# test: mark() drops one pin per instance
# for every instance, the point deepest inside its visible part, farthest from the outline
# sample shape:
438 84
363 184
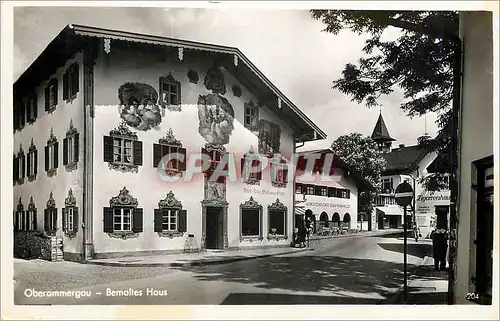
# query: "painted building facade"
410 164
475 234
327 195
126 102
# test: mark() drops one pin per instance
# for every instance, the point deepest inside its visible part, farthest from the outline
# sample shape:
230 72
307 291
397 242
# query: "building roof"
75 38
340 163
380 132
403 159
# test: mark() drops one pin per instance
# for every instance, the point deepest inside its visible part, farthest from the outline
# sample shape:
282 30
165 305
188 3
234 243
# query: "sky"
288 46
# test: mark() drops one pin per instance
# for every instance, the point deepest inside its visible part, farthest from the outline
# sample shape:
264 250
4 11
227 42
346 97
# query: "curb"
359 234
394 297
195 262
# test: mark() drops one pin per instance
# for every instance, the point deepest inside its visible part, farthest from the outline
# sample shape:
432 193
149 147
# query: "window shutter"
47 158
108 219
182 221
16 221
34 220
55 82
243 173
56 154
65 151
64 219
285 174
35 162
330 191
65 85
137 220
15 166
35 107
47 98
28 168
182 164
75 83
23 164
259 174
158 220
108 149
157 155
46 222
54 219
23 115
75 219
137 152
76 149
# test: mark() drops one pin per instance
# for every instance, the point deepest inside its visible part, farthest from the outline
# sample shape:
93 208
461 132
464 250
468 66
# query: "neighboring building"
474 274
327 198
98 110
408 163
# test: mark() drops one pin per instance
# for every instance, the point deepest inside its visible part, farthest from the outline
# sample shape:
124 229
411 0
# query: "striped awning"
300 211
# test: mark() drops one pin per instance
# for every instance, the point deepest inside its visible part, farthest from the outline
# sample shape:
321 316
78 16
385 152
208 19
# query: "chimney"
401 145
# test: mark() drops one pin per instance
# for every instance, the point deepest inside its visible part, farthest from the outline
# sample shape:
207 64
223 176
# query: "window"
51 154
277 213
324 191
269 138
169 218
19 115
21 221
71 147
170 91
51 95
50 221
19 165
250 220
251 169
387 185
331 191
279 172
122 150
216 156
123 218
310 190
31 224
251 116
70 215
32 157
31 108
298 188
71 82
169 145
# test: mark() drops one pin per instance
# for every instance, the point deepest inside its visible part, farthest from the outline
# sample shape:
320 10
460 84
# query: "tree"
420 62
362 154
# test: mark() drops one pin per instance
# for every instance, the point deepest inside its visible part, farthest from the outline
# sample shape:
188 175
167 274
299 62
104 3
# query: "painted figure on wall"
139 105
216 116
269 138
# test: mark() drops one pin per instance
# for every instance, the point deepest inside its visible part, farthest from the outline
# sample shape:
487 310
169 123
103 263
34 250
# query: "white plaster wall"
121 67
319 204
476 140
60 184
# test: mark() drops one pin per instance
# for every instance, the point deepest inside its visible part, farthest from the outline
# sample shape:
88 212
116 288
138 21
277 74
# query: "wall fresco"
139 105
216 116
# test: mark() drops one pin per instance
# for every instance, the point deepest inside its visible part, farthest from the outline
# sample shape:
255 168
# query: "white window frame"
52 212
165 90
121 152
122 214
20 167
250 112
324 191
70 219
310 190
52 155
31 219
279 168
71 148
169 150
21 217
169 217
31 163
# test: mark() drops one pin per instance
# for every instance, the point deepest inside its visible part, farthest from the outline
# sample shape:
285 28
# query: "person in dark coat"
302 236
439 247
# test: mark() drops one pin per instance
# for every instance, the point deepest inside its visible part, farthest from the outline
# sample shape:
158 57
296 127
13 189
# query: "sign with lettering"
326 205
262 191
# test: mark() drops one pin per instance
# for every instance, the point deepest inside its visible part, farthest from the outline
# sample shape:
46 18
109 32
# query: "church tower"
381 135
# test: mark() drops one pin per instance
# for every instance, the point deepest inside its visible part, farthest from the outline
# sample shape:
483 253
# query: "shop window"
51 95
251 169
71 82
277 213
71 149
122 149
250 220
50 216
251 117
19 166
51 155
31 108
70 215
170 91
170 220
32 158
123 219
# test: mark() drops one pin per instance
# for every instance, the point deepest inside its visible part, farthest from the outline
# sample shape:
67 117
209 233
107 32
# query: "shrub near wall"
32 245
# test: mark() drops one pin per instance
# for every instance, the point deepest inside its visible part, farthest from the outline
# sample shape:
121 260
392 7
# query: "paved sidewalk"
359 233
425 286
193 259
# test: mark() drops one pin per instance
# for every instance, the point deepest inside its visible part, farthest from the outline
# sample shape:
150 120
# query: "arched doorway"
336 219
324 219
346 221
380 219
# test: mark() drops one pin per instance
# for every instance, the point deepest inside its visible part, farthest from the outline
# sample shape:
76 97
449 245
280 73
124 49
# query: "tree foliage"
420 62
363 155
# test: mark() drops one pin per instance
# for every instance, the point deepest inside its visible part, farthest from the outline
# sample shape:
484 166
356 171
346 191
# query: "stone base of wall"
73 257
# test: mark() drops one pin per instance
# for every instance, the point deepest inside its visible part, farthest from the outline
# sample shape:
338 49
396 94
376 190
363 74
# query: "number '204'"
472 296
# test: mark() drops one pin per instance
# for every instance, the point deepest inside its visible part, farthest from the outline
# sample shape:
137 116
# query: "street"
344 270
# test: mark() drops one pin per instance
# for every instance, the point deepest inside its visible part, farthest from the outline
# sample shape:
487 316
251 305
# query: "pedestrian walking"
302 236
439 247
